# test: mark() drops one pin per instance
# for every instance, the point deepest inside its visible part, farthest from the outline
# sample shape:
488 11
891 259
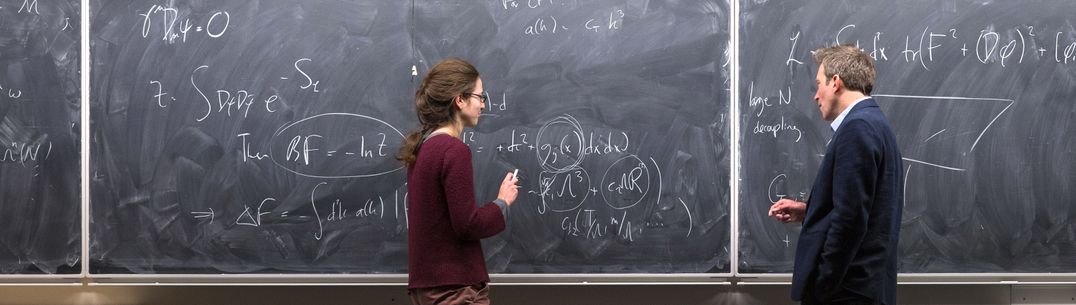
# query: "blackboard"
258 136
39 134
980 96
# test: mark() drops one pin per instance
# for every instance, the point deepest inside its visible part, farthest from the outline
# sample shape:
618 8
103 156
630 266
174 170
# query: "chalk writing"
611 20
1003 47
586 224
23 152
309 154
247 218
778 127
247 153
564 191
560 150
517 143
225 101
160 94
172 27
210 214
543 25
626 182
784 97
29 6
310 83
10 93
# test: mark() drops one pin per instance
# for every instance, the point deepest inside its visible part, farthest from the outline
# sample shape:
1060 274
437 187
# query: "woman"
445 261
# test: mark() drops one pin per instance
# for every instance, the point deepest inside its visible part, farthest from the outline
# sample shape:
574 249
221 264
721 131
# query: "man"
847 250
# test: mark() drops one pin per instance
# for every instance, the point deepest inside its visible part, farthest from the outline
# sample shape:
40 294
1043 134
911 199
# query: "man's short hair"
855 67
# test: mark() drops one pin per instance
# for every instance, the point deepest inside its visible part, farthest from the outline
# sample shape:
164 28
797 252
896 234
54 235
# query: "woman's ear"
459 102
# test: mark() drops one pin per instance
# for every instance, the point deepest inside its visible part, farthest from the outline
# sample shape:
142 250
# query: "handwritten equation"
582 204
267 211
24 152
215 99
588 202
368 148
988 45
168 23
549 22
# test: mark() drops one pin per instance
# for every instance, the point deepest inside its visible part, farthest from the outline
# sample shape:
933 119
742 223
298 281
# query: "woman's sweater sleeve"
469 221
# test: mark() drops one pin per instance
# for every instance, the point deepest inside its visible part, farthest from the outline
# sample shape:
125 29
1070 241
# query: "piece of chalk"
516 172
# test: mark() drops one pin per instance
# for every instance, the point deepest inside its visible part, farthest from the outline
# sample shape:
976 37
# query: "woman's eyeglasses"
481 97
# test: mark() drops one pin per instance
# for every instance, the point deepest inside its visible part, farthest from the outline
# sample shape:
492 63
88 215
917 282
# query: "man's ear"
837 81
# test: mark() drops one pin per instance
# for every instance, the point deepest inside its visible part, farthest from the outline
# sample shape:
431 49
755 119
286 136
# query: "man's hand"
788 210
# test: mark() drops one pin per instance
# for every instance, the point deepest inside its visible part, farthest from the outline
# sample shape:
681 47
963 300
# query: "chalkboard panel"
39 132
980 96
617 119
258 136
249 136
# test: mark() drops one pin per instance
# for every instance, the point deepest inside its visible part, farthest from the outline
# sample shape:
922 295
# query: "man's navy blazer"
848 243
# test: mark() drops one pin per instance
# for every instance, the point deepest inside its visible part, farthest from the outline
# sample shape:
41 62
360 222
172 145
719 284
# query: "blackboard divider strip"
84 130
734 134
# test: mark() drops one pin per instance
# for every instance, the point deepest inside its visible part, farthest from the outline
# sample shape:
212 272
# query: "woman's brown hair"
434 98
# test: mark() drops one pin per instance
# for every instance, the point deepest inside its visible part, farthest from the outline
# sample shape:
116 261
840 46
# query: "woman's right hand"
509 189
